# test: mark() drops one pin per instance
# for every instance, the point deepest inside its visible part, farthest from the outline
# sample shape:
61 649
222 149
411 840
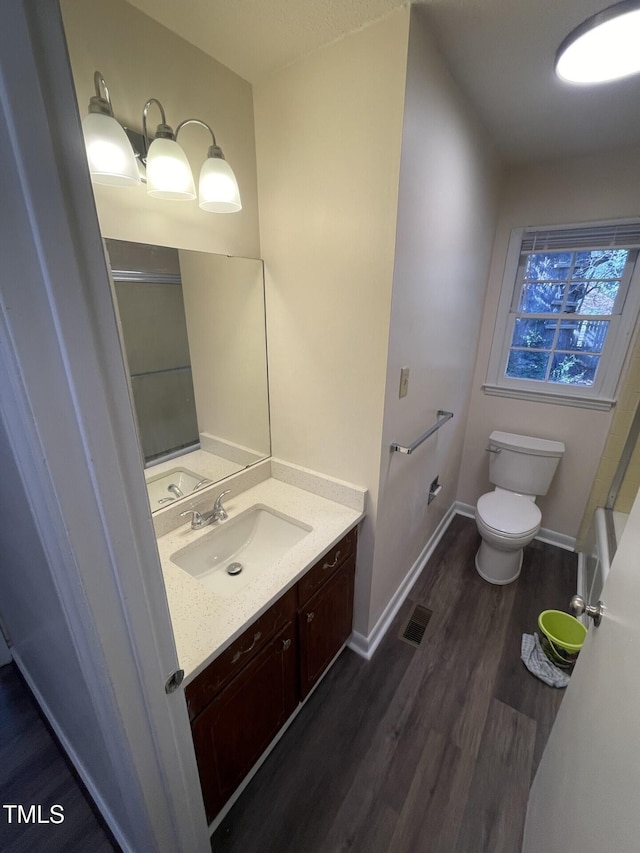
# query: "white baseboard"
560 540
465 509
84 774
366 646
551 537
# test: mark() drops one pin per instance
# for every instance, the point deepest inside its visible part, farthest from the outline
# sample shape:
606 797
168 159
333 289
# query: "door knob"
579 606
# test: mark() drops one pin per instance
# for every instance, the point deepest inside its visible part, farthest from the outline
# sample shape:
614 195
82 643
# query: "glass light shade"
218 189
109 152
605 47
168 171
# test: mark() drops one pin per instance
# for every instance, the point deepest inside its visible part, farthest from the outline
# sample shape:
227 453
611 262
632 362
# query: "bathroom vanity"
251 657
240 701
260 602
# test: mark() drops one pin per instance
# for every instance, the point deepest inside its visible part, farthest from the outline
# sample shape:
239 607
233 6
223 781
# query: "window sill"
601 404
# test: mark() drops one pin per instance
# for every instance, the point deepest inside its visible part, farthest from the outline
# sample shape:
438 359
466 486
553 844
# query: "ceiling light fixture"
604 47
118 158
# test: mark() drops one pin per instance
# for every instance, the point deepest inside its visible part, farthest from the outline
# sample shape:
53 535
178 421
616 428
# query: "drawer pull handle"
310 616
334 564
238 655
285 645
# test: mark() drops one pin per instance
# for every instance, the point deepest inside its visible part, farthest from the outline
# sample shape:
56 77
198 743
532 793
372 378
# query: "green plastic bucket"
563 636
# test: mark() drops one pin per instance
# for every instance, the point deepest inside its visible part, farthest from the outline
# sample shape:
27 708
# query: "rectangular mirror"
194 337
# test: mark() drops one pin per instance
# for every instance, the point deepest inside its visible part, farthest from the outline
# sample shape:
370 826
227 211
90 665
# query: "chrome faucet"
218 513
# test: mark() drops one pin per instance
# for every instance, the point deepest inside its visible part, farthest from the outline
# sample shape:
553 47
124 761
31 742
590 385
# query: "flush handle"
493 449
579 606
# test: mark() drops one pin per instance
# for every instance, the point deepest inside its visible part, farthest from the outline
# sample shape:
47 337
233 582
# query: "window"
563 330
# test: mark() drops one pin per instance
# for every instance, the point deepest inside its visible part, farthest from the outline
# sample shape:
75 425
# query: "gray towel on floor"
539 664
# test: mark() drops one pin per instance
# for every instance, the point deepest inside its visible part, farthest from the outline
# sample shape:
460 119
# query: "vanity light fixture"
111 158
604 47
114 157
168 170
217 188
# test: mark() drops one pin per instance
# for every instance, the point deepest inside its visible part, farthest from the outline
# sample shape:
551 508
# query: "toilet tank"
522 463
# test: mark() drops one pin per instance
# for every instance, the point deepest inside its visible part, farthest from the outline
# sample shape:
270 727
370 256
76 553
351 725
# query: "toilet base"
498 567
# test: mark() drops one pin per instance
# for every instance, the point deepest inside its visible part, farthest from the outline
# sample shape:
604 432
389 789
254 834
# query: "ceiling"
500 52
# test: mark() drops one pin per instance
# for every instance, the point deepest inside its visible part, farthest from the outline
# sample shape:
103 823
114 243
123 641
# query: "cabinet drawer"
325 567
220 671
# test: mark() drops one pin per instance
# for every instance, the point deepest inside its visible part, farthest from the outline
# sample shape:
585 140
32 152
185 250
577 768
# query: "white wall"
563 192
338 209
446 216
225 314
31 610
328 134
140 59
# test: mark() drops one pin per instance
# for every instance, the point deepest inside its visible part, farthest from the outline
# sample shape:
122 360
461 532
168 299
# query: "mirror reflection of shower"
148 289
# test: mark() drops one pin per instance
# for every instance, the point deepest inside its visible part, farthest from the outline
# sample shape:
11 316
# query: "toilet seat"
508 514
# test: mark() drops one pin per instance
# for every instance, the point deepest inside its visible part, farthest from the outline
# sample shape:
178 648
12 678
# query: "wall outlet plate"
404 382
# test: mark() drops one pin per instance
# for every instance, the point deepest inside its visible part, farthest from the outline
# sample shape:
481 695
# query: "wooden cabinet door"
325 624
233 731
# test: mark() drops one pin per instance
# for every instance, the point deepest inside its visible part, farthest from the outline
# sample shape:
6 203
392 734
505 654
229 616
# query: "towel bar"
443 417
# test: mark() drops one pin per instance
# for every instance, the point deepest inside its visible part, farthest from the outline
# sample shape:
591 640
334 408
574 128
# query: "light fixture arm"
163 130
100 103
214 150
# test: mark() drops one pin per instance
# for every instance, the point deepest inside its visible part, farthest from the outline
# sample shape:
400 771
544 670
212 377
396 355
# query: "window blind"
614 236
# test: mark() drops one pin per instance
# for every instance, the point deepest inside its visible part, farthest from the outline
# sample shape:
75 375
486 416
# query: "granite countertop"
204 624
200 462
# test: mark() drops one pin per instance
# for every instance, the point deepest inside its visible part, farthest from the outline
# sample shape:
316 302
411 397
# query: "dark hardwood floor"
34 771
431 749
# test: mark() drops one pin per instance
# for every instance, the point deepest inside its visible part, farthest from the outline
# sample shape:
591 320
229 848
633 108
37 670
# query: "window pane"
541 298
527 365
552 266
607 263
586 335
534 333
570 369
596 297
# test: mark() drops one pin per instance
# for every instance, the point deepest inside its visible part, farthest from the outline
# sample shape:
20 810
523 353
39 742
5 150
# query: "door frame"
67 412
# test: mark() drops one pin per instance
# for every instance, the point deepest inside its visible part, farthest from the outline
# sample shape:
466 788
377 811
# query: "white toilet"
521 468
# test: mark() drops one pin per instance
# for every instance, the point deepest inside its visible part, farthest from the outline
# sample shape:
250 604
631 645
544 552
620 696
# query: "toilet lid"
509 513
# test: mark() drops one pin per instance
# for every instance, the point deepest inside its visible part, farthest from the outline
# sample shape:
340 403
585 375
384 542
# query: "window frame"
600 395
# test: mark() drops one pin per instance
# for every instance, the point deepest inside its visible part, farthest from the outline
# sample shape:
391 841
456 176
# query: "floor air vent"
416 625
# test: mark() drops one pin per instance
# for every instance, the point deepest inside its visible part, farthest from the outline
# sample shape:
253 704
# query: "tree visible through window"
565 303
568 307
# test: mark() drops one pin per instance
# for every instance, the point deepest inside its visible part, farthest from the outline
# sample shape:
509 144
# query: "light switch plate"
404 381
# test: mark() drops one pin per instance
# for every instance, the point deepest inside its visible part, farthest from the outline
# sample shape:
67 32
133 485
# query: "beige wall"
328 132
140 59
563 192
446 219
224 308
331 132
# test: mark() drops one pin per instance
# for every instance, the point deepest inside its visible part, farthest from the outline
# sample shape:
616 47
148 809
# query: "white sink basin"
248 544
182 480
